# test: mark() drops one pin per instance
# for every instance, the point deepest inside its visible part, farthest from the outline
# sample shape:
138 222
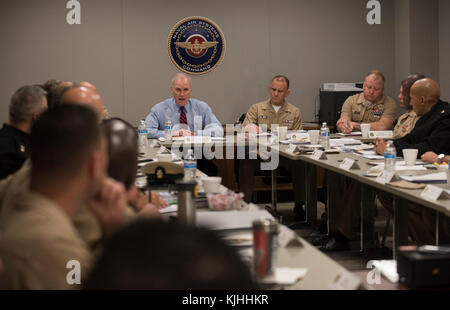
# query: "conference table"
369 187
322 273
306 166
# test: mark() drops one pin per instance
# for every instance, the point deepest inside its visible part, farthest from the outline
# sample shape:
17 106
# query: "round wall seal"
196 45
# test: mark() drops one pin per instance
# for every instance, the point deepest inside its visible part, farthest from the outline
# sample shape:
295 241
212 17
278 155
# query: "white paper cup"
314 136
282 133
365 128
410 156
211 184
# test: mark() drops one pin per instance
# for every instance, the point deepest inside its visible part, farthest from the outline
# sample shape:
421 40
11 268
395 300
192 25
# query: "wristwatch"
440 158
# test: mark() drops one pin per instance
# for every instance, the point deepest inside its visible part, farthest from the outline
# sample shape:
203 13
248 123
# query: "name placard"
433 193
348 164
318 154
385 177
291 148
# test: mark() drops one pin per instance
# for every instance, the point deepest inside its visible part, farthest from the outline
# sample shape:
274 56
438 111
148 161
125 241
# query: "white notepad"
225 220
435 177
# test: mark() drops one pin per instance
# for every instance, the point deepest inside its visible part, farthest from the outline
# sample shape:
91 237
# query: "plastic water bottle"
168 130
389 157
190 166
325 136
143 139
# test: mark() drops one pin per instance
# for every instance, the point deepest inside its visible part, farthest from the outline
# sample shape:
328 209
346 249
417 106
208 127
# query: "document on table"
342 142
354 133
380 168
264 134
440 177
169 209
373 156
226 220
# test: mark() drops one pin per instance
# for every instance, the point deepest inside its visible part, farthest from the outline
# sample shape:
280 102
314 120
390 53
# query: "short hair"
62 139
26 101
122 150
377 73
51 84
55 95
406 87
156 255
281 78
180 75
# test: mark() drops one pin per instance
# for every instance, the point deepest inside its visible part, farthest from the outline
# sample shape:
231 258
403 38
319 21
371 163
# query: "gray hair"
178 75
26 101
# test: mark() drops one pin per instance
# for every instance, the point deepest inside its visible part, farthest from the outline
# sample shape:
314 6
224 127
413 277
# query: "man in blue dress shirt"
189 116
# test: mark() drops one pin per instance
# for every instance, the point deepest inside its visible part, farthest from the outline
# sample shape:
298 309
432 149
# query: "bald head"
425 93
84 96
66 84
181 89
88 85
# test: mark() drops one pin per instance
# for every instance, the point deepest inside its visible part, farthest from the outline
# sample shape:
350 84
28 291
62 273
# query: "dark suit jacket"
431 133
13 149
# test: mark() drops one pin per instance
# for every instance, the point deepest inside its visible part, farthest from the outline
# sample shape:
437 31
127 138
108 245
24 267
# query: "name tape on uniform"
384 134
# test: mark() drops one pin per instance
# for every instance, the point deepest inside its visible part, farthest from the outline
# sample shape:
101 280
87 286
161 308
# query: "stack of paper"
344 142
440 177
225 220
354 133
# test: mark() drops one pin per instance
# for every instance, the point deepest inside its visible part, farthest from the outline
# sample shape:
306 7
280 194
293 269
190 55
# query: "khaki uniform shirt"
263 113
358 110
17 185
405 124
39 239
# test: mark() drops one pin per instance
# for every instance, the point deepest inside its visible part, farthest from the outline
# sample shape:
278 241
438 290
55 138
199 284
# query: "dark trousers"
421 222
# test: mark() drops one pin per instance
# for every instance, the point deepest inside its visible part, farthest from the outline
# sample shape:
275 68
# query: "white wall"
444 48
121 46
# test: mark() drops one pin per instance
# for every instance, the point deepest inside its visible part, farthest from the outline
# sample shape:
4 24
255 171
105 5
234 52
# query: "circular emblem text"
196 45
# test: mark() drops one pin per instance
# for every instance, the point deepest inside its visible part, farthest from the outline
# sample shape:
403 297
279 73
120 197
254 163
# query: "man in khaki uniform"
40 246
275 110
370 106
17 185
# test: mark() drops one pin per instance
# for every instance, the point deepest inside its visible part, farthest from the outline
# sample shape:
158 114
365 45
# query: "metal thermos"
265 233
187 191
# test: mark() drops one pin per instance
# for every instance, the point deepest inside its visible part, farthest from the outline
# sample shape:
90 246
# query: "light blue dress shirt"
200 118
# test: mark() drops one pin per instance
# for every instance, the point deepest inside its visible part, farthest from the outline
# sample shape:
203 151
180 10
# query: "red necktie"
183 119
